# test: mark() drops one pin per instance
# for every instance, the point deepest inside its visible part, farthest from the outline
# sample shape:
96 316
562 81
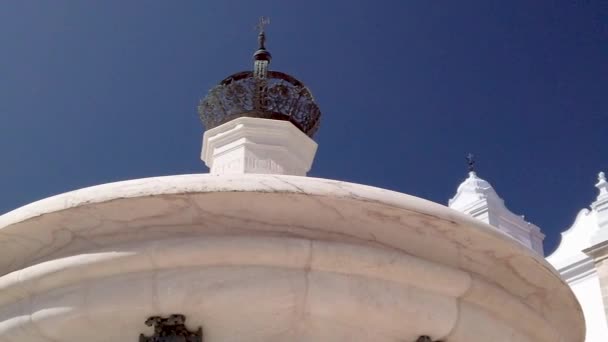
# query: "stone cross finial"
600 206
602 184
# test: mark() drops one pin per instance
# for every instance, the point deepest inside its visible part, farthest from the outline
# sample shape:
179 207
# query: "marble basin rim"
366 239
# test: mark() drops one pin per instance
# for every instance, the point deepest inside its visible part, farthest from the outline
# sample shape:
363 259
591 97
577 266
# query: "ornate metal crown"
261 94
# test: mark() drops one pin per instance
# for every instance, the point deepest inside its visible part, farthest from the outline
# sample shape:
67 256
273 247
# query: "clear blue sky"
100 91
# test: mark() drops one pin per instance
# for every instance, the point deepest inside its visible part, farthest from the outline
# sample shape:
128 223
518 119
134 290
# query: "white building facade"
580 258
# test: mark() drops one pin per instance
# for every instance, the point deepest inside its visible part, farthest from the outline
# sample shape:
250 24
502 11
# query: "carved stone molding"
171 329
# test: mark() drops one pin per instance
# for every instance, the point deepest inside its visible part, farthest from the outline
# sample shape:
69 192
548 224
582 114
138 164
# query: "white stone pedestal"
254 145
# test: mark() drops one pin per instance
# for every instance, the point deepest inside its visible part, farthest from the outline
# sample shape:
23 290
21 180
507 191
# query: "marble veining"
342 230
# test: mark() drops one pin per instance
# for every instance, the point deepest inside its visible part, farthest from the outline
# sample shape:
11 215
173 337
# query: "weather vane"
471 162
262 23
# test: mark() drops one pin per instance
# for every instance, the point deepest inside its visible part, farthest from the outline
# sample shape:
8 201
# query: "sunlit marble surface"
270 258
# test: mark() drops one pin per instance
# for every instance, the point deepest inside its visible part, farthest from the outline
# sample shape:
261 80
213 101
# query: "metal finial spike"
471 162
261 57
262 23
262 41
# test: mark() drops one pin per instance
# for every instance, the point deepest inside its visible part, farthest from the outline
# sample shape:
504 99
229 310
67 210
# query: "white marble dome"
270 258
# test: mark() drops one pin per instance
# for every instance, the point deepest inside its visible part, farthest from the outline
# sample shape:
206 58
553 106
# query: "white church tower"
581 259
476 197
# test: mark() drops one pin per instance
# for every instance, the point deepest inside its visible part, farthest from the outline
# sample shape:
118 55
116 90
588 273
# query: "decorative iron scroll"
425 339
277 96
171 329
